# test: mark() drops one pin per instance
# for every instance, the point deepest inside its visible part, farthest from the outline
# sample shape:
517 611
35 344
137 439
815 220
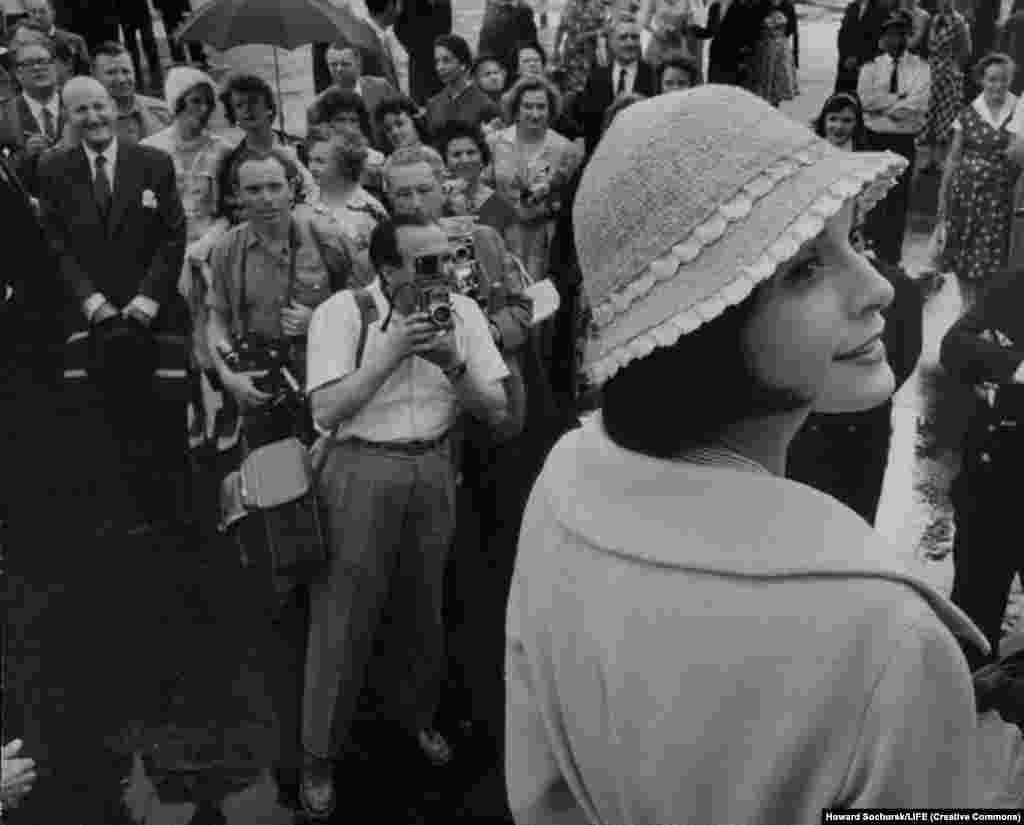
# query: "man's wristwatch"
454 374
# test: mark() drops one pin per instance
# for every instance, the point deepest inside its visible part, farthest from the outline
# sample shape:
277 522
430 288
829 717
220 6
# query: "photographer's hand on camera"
441 350
295 319
407 335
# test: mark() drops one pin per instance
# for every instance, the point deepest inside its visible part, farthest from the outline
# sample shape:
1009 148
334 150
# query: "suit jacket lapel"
126 185
28 120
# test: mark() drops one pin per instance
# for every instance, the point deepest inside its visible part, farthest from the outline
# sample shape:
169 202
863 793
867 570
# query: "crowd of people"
467 252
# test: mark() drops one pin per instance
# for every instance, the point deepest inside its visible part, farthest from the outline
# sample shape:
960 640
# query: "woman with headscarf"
674 597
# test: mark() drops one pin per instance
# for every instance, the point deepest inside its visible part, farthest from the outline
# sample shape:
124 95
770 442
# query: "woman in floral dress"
949 49
531 165
976 195
775 57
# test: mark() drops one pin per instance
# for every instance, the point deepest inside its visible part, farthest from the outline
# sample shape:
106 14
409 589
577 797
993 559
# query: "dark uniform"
845 454
984 349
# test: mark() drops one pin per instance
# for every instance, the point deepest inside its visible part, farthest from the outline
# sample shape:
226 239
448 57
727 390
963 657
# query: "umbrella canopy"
284 23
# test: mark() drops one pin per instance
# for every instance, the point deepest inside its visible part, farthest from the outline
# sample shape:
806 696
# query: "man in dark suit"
27 286
31 122
377 59
346 65
858 38
420 23
114 219
41 16
626 73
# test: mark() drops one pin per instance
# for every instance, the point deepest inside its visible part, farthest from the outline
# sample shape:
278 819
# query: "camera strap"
243 304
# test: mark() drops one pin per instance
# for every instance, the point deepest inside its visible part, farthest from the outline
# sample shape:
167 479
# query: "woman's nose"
870 289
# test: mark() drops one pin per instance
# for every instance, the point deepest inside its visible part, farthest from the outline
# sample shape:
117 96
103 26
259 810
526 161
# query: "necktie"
894 78
621 87
101 187
48 124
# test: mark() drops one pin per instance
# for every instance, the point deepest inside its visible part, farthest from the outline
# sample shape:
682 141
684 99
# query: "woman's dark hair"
456 129
535 46
336 101
686 65
211 97
395 106
837 103
639 415
993 59
384 249
514 97
457 46
246 84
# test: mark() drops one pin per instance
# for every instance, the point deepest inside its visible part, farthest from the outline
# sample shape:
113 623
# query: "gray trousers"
391 519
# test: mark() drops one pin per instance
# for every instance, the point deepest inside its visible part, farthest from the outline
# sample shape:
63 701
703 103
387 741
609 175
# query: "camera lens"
441 315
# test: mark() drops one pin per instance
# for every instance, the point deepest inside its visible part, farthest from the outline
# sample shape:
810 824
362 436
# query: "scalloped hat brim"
696 281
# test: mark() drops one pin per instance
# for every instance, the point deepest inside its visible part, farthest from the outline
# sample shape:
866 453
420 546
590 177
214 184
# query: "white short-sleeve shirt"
417 402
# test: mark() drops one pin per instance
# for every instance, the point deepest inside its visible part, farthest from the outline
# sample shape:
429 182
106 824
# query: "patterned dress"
945 42
981 200
513 177
775 66
583 21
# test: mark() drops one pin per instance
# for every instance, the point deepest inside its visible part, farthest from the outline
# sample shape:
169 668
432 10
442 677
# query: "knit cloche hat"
181 79
694 199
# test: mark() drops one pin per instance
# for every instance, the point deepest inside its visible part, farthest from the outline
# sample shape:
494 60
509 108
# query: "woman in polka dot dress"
976 194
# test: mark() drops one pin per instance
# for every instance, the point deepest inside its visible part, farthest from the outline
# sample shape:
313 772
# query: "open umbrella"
284 24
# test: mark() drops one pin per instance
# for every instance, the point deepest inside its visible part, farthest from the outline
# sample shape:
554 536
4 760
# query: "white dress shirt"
631 71
52 106
417 402
144 304
885 112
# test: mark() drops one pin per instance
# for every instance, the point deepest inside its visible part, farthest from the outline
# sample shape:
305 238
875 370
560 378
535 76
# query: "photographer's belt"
415 447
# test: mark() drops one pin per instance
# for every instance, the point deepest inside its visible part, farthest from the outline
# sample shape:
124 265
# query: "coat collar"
675 514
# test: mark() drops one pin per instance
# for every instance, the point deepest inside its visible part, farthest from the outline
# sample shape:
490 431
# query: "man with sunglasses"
389 486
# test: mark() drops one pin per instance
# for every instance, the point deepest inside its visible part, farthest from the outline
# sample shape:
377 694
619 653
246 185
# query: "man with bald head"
113 216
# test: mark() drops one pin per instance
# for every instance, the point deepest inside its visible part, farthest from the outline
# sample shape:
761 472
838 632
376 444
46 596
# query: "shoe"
435 747
316 790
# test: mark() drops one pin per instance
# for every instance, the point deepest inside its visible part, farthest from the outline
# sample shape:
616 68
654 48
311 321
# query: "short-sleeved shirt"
417 401
267 273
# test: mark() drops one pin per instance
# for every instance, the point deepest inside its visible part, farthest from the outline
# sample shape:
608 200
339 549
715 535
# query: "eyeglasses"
36 63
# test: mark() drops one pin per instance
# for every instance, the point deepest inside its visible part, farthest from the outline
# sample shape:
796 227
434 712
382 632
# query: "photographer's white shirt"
417 402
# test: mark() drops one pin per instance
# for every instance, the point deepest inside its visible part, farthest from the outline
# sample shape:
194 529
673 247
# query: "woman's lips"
872 350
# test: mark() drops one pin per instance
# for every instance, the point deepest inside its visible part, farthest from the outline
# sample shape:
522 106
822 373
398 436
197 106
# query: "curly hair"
246 84
457 129
514 97
336 101
994 59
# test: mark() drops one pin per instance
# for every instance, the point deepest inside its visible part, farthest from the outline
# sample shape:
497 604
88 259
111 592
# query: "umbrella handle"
280 100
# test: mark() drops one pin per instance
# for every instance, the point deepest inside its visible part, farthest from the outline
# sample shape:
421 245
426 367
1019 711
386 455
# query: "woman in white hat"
691 637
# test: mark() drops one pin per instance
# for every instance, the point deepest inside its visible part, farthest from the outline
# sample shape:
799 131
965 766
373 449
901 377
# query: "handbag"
279 483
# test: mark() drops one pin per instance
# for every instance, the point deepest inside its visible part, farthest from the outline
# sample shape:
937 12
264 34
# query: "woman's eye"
805 270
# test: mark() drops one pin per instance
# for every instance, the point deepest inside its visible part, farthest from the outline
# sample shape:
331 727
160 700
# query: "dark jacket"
139 250
734 40
420 23
473 106
504 27
16 122
599 93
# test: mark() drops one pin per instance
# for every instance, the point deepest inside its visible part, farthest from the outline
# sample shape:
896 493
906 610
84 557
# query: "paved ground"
122 650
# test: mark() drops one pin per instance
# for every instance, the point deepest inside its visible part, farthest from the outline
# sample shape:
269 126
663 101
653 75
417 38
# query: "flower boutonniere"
149 200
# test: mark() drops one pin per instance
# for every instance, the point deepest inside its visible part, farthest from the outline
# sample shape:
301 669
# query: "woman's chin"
857 389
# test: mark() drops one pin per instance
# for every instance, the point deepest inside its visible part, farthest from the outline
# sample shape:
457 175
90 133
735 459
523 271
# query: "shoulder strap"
367 315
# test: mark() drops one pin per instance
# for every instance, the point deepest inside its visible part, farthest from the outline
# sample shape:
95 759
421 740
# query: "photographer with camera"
269 274
390 367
